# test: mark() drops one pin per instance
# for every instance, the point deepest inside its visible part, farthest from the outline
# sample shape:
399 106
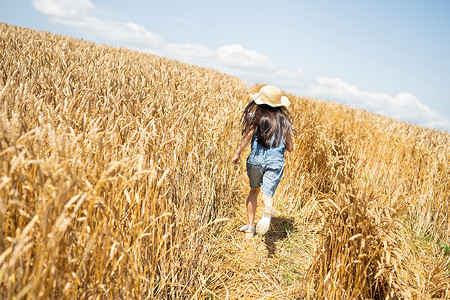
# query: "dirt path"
270 266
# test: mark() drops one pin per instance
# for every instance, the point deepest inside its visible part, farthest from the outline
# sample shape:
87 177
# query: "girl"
266 123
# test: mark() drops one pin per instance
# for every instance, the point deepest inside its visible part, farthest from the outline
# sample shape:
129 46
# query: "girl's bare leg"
252 202
267 200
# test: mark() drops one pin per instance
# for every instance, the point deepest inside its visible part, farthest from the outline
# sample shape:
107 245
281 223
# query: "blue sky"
388 57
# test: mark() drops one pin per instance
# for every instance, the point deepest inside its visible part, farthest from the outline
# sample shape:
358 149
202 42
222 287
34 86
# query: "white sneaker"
263 225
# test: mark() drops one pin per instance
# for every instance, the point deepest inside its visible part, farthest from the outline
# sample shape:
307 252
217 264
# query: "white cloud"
119 33
63 8
403 107
190 53
76 14
237 56
443 124
248 64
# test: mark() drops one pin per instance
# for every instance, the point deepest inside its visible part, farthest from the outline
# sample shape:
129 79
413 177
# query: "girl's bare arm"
289 143
245 140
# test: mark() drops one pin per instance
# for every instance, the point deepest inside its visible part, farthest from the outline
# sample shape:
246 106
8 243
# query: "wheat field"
116 182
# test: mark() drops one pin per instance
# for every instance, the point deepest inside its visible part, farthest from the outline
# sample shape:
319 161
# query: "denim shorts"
264 170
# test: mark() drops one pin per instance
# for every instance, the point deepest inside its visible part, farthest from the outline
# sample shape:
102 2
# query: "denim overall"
265 166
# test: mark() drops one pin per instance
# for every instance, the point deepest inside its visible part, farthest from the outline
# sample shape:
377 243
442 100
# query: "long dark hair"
268 121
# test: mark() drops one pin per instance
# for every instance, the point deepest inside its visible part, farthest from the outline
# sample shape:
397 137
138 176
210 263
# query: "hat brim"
284 101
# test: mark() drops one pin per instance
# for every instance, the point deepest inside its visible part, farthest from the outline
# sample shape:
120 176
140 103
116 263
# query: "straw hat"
270 95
